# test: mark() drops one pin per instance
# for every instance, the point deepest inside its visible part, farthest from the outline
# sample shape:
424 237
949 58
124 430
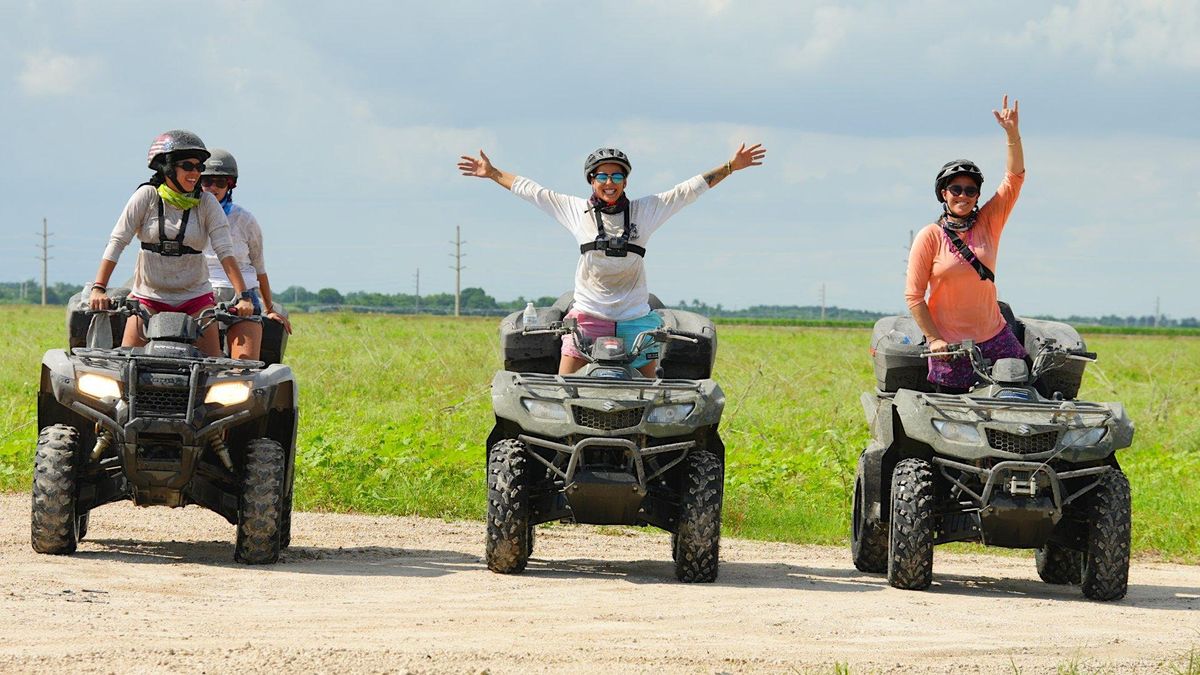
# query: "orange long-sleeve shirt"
963 306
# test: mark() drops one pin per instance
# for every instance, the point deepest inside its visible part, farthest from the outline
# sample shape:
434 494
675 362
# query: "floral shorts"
959 374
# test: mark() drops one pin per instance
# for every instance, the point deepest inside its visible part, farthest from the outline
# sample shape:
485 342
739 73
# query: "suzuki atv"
606 445
1016 462
162 425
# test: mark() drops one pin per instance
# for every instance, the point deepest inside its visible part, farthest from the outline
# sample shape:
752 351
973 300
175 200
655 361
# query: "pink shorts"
593 327
188 307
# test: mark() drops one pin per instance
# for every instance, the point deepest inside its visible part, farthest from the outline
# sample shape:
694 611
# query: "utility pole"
457 267
45 257
1157 310
418 275
822 302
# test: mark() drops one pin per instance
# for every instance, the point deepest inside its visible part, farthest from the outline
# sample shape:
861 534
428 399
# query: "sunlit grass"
395 411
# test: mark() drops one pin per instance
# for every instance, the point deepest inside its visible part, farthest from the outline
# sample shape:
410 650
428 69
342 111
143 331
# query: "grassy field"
394 412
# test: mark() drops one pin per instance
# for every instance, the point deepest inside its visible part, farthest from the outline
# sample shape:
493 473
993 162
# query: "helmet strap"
953 222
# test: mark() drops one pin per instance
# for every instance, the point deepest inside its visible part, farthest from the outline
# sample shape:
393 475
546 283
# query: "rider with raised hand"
611 295
219 179
954 258
174 221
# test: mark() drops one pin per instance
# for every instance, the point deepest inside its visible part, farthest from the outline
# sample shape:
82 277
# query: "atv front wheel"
698 543
508 532
910 540
1106 561
54 525
868 537
1058 564
260 511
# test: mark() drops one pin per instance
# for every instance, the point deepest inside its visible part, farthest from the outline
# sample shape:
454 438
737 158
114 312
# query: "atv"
163 425
1017 461
606 445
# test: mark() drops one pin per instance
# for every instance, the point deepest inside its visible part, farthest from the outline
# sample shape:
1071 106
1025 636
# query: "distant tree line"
477 301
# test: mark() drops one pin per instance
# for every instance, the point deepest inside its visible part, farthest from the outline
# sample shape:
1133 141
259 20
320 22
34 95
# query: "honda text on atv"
162 425
1016 462
606 445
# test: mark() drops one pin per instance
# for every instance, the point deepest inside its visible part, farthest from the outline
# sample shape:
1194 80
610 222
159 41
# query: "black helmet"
604 156
220 163
174 145
958 167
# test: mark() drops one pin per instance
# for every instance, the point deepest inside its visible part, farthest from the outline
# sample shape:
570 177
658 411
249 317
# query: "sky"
347 120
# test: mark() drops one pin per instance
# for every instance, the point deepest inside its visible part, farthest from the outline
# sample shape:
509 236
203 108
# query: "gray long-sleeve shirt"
170 279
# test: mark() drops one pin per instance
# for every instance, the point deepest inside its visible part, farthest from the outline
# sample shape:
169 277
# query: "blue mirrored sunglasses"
603 177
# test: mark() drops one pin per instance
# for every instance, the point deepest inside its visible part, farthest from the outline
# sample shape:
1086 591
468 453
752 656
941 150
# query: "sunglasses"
960 190
218 181
190 166
603 177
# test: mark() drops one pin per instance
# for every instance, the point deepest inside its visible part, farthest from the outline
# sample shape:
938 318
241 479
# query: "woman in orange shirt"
953 258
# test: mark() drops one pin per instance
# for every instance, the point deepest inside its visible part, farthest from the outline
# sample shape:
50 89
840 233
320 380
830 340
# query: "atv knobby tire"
54 525
910 540
508 532
868 537
698 544
260 511
1058 564
1106 561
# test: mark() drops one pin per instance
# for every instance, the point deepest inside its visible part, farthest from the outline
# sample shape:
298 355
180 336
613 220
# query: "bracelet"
1012 143
729 168
99 287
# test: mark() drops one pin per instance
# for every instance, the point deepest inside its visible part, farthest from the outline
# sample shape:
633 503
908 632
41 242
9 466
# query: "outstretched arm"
481 167
1007 118
743 158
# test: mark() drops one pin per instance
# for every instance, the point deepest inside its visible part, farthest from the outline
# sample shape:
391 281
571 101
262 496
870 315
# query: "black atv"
1017 461
162 425
606 445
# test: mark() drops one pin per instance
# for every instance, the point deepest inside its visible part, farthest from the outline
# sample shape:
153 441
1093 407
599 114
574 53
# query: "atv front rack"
984 408
573 383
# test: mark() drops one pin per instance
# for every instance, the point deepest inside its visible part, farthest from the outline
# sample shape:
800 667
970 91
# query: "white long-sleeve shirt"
247 248
170 279
610 287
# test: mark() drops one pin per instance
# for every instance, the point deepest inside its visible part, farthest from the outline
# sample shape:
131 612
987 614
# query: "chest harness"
985 274
618 247
170 247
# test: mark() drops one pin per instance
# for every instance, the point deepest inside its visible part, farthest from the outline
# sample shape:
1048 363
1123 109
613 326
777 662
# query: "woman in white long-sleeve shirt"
611 295
219 179
174 221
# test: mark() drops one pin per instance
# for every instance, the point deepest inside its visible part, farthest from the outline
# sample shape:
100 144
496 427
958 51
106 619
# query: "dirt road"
155 590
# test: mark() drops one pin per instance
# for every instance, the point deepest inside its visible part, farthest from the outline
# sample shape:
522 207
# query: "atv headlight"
546 410
228 393
669 414
1083 437
959 432
98 386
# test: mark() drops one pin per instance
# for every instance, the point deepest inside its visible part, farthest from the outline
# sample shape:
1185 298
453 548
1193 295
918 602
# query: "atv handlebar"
660 335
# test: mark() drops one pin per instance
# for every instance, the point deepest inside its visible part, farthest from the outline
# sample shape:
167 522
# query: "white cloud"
1121 33
830 27
49 73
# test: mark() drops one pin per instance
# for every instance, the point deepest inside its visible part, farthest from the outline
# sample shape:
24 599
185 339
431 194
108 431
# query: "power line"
457 267
45 257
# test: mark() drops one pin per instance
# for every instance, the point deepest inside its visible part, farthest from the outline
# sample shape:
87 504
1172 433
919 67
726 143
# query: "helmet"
604 156
958 167
220 163
174 145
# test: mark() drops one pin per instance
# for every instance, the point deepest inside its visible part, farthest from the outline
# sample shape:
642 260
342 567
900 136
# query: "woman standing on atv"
244 337
953 259
175 221
611 296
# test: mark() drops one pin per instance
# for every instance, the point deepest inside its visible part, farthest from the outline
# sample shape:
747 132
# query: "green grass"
395 410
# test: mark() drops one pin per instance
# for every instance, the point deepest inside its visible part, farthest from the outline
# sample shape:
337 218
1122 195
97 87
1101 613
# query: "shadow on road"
351 561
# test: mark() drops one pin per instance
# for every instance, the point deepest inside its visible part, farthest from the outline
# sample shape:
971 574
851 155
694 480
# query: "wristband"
729 168
245 295
99 287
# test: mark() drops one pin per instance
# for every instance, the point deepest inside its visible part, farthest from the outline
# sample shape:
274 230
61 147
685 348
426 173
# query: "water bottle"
529 316
896 337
